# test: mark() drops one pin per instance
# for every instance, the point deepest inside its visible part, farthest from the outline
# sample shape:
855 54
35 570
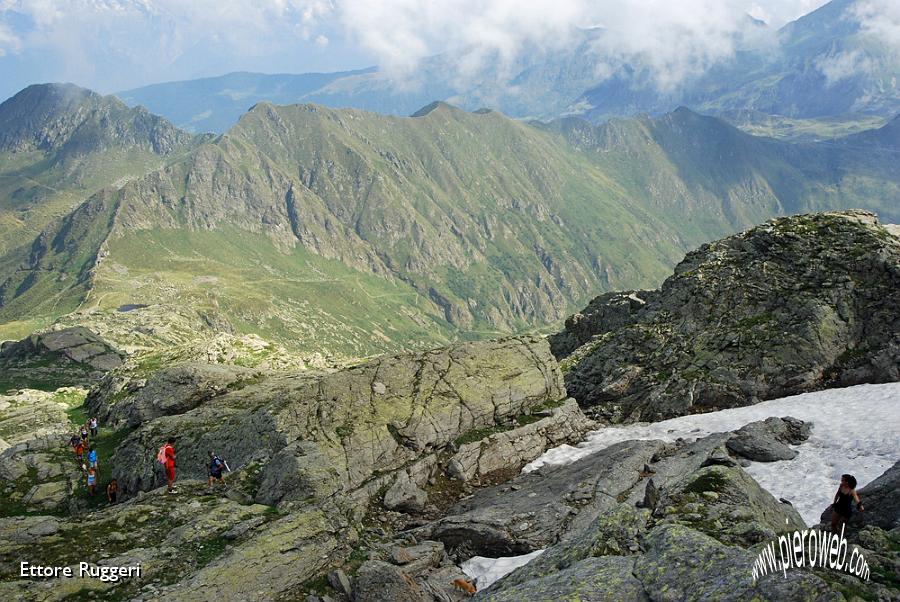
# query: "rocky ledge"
56 358
798 304
323 466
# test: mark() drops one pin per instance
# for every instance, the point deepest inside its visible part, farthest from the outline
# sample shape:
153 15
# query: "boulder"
588 580
404 495
683 564
279 559
379 581
534 509
168 391
47 496
767 440
511 450
605 313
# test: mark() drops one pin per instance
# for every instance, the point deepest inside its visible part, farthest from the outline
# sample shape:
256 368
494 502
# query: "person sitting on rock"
92 457
841 508
91 481
112 491
216 466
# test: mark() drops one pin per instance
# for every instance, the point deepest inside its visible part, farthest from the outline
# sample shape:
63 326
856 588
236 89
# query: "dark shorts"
112 497
216 475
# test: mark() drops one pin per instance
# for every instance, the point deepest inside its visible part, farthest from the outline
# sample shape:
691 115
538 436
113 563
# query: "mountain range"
829 63
350 233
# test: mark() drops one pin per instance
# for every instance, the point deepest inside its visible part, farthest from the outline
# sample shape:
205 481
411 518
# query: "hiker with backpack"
79 453
93 422
92 457
216 466
166 457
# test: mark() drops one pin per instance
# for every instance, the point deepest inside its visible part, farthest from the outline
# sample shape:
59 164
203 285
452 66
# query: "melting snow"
487 570
855 430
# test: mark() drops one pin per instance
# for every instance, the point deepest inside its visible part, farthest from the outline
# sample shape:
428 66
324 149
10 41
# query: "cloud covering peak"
114 44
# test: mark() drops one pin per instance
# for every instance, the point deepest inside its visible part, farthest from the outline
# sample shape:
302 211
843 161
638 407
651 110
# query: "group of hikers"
81 441
841 508
165 457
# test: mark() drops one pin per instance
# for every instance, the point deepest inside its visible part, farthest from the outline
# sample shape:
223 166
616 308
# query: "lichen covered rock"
798 304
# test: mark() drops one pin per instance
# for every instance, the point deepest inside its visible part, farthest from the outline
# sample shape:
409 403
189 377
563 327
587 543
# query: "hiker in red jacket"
169 465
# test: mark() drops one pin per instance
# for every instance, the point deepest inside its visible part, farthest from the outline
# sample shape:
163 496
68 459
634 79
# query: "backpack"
216 465
161 455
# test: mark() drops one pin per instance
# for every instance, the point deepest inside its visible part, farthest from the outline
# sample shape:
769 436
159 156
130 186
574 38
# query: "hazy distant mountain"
214 104
822 65
353 232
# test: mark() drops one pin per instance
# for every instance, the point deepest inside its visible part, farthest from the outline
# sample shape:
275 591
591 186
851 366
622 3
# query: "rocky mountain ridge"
72 120
456 222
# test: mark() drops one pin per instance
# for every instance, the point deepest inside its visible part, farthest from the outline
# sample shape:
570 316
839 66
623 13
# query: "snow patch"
856 430
485 571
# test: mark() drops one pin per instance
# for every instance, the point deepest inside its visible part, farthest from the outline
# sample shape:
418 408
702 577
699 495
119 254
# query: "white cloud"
843 65
673 39
162 39
879 19
9 41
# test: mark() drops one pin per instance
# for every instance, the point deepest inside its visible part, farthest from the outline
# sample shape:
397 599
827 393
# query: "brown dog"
464 586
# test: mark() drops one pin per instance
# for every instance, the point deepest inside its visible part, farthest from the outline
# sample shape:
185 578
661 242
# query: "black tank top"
842 506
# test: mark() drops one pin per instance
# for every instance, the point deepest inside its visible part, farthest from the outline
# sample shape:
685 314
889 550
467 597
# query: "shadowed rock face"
797 304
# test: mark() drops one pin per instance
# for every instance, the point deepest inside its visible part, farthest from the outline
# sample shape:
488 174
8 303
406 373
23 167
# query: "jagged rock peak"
50 117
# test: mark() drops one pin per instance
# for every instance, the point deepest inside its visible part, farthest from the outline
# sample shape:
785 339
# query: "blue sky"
112 45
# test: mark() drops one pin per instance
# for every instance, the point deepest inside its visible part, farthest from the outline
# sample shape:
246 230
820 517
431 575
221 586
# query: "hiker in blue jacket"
216 468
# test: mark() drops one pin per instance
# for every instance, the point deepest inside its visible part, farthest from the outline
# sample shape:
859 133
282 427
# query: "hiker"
92 457
93 424
216 466
74 441
91 481
112 491
79 453
84 433
166 457
841 508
